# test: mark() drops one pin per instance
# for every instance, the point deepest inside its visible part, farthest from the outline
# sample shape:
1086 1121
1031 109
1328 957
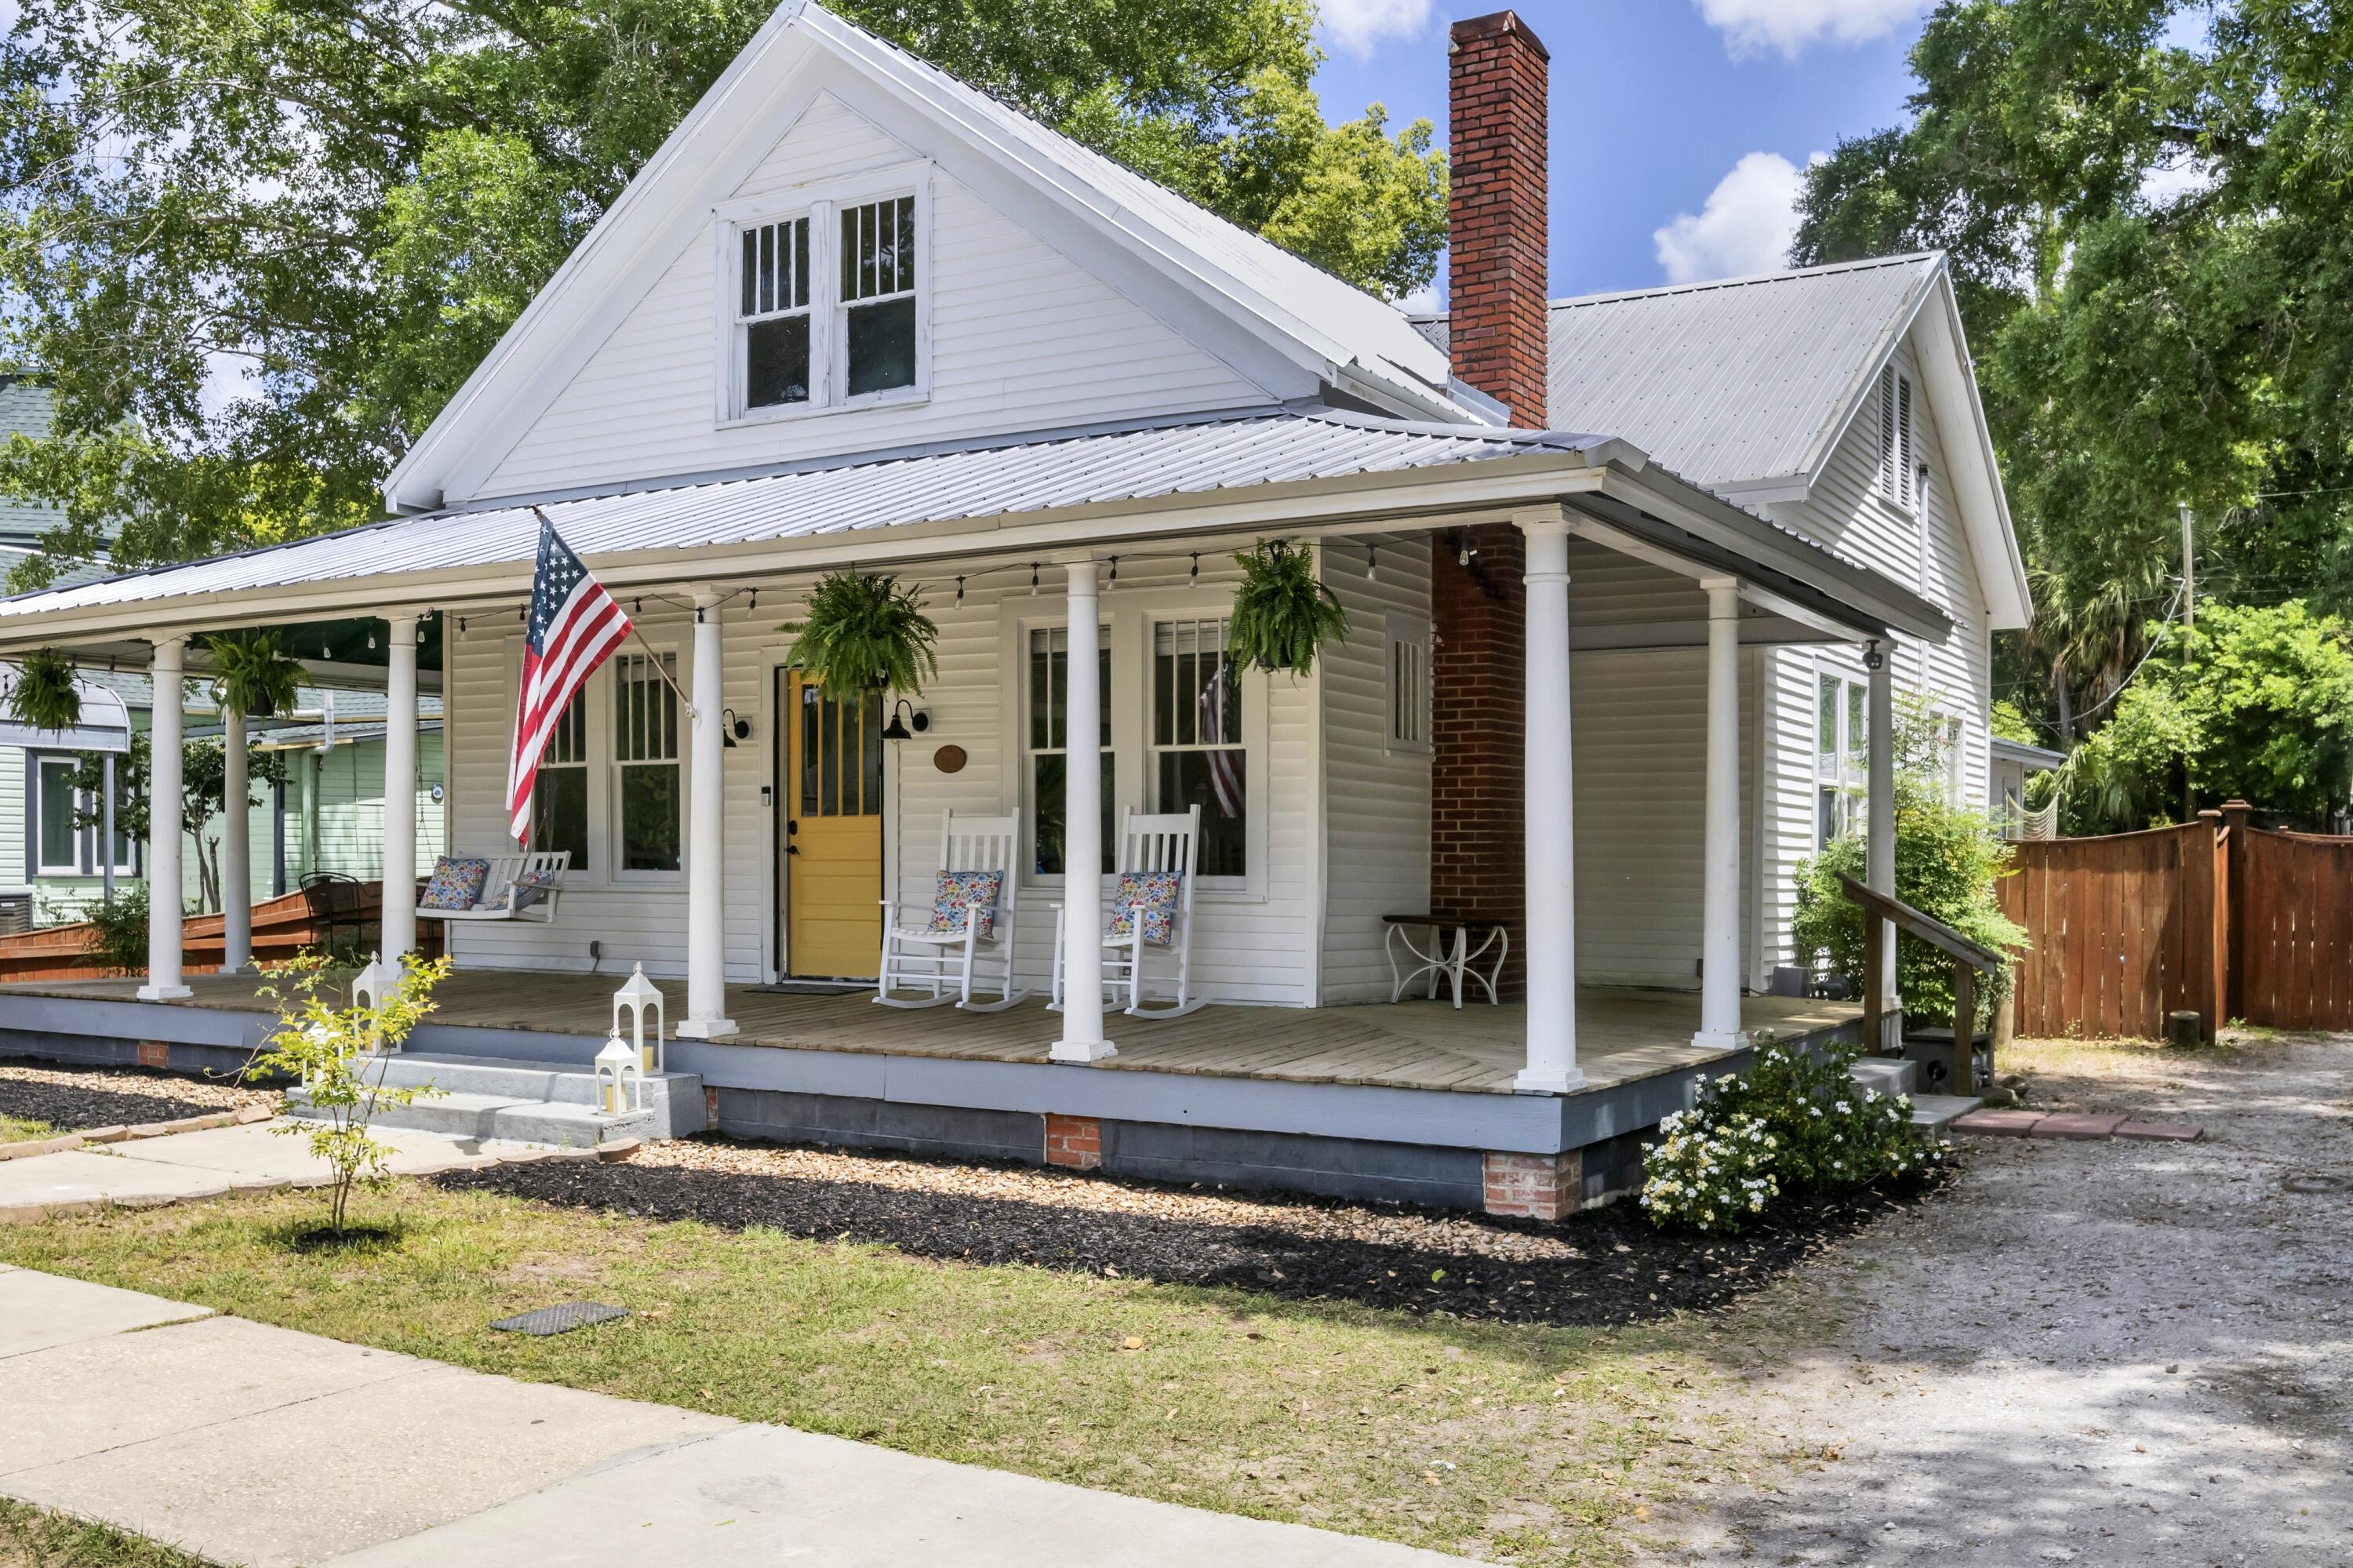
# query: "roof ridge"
1753 280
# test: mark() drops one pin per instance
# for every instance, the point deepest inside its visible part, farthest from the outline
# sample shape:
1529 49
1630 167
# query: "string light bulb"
755 601
959 592
1195 574
1372 561
1114 568
1033 579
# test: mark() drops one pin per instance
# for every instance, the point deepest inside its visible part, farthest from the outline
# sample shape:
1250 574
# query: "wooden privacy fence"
2217 917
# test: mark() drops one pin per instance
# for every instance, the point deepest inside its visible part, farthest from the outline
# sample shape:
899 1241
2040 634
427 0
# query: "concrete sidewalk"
183 1167
253 1444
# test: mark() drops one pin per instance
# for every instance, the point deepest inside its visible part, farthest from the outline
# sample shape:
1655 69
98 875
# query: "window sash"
774 270
60 847
649 800
1198 755
559 802
878 250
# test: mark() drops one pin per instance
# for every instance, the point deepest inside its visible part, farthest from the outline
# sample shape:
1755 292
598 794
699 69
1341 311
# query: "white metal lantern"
368 987
620 1080
637 995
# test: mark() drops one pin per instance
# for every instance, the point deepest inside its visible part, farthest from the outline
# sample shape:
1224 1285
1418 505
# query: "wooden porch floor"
1622 1034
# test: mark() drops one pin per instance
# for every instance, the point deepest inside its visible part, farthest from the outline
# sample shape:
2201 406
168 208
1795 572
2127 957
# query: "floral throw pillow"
957 892
457 882
1155 893
533 887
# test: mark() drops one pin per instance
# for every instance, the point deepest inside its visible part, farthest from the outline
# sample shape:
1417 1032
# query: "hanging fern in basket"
44 695
864 633
253 675
1283 614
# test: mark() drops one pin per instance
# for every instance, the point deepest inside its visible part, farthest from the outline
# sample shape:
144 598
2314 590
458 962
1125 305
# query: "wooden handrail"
1927 928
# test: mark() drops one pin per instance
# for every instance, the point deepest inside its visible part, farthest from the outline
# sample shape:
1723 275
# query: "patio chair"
969 922
335 903
1151 907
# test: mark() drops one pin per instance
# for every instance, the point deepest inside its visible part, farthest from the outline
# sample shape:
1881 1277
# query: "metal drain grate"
560 1319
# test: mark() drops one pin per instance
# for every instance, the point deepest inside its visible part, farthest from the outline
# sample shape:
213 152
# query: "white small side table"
1450 956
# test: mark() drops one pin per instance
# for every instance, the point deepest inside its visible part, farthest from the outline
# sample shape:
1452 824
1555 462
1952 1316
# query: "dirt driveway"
2096 1353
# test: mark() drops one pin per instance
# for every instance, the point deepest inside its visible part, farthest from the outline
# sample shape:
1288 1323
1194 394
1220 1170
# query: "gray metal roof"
1730 383
843 495
1737 382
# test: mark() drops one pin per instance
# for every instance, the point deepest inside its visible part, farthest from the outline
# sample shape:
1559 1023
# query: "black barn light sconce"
897 729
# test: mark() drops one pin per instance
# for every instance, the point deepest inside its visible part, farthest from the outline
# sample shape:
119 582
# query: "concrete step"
1888 1074
491 1117
1933 1112
536 1102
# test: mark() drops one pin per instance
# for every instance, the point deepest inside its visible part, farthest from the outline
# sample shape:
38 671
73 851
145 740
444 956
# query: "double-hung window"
1197 758
1047 737
878 296
824 307
1840 756
559 804
774 342
647 785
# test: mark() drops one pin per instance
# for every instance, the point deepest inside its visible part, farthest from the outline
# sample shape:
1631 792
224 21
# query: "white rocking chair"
1148 843
941 953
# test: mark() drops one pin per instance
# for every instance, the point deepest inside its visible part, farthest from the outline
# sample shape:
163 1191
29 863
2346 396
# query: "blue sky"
1678 126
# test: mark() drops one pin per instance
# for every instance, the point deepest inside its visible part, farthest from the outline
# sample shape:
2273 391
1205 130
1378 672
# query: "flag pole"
652 657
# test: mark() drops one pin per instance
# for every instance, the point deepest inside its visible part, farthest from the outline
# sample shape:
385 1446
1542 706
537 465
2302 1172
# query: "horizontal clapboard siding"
1022 339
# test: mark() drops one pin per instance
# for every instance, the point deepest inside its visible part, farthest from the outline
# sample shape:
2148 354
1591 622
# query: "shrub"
1794 1123
117 928
1948 860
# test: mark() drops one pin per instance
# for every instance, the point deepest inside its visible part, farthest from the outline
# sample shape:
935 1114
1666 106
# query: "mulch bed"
73 1099
1603 1266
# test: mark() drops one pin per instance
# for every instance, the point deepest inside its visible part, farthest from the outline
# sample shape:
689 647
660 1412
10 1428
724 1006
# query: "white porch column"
399 923
1878 849
164 826
706 840
1083 827
1719 985
237 849
1550 817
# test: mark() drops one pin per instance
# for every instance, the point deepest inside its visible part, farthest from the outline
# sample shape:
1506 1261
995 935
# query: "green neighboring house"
328 815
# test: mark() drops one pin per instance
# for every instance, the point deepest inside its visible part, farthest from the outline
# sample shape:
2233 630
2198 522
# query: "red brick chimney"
1496 281
1497 273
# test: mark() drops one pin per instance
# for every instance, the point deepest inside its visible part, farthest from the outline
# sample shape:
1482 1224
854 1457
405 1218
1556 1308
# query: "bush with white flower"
1795 1122
1715 1174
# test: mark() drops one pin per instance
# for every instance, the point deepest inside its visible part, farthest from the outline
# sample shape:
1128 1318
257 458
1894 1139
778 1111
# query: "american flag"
574 627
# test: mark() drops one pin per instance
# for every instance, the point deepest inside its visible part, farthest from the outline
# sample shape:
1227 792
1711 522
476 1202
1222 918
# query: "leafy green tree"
2153 242
2257 705
350 200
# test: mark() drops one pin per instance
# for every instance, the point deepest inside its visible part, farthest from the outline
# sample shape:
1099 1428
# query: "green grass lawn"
1538 1445
17 1130
35 1538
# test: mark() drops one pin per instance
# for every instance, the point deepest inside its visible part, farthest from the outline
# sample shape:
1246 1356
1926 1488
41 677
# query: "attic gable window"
878 295
774 314
1899 462
823 306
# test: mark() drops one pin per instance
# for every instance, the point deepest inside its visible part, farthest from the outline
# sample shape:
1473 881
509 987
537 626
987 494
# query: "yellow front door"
833 832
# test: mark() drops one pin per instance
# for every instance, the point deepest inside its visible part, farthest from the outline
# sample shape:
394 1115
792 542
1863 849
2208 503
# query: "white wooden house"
856 315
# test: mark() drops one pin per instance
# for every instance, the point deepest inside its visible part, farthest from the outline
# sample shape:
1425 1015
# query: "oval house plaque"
949 759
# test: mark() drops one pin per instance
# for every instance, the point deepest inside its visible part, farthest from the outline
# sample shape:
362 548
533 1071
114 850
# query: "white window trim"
609 762
828 348
1854 796
1128 618
85 855
1404 629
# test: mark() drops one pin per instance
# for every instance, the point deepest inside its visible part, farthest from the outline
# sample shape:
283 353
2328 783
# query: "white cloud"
1754 26
1358 26
1746 226
1424 301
